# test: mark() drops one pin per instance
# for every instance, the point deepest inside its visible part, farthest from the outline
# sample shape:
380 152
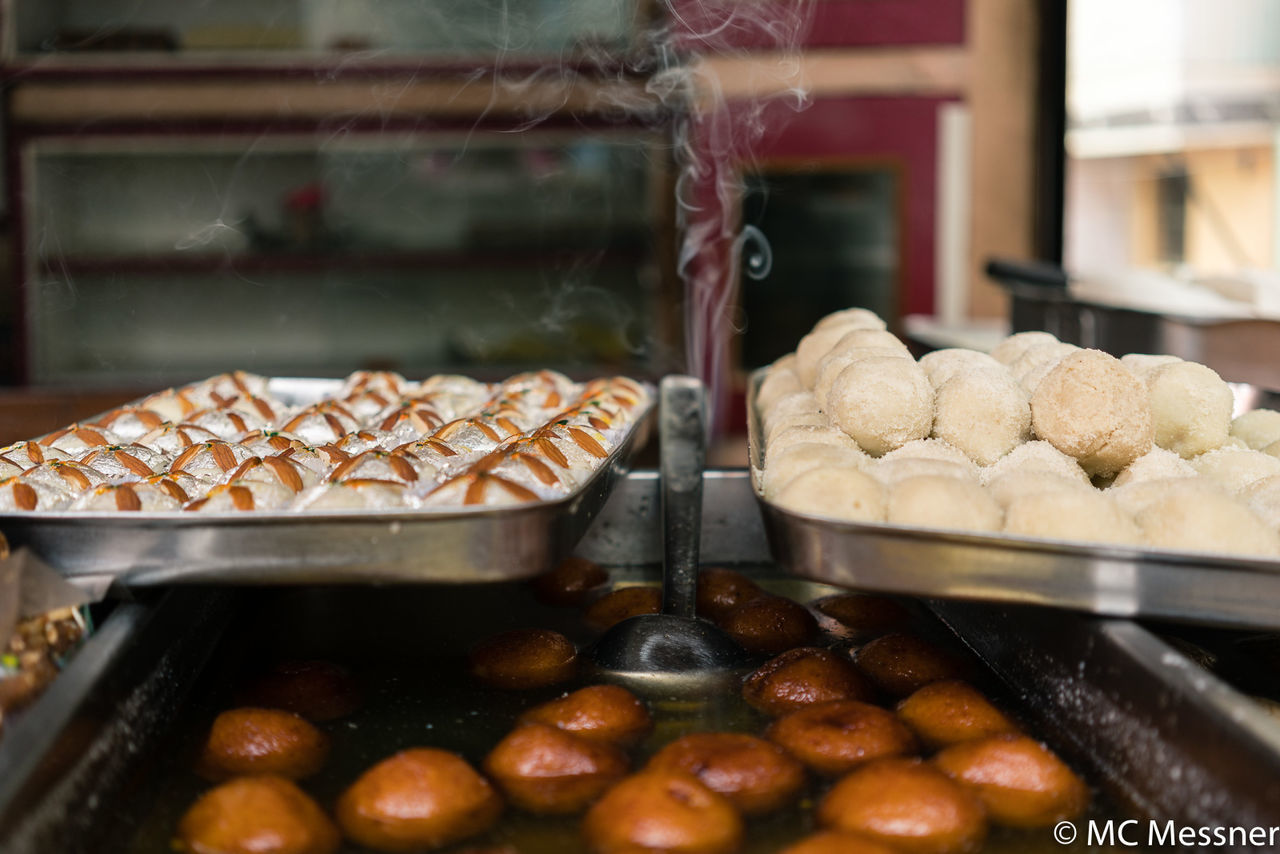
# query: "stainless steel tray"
1113 580
463 545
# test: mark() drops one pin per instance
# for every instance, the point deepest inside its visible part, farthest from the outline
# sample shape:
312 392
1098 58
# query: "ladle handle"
682 432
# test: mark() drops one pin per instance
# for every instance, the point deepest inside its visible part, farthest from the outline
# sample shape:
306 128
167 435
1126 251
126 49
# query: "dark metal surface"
1165 734
624 533
84 737
1122 581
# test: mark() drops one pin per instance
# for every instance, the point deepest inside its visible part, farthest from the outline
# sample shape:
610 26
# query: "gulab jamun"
909 805
256 815
317 690
835 737
548 771
262 741
569 583
662 811
770 625
1020 781
756 776
862 616
803 677
521 659
951 711
722 590
900 664
612 608
838 842
419 798
606 713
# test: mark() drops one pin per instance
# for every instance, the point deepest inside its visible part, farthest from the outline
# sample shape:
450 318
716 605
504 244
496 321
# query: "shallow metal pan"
450 545
1113 580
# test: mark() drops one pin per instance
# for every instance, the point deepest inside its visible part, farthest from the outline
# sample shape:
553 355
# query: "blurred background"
309 187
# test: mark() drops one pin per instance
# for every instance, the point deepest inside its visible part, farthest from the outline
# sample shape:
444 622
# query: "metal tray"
1112 580
463 545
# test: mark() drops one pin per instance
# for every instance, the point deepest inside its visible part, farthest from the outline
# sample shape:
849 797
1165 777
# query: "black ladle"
674 653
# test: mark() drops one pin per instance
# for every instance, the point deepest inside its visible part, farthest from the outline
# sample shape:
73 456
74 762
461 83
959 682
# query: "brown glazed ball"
722 590
548 771
901 664
569 583
832 738
262 741
770 625
613 608
418 799
755 775
1021 782
662 811
951 711
604 713
523 658
317 690
838 842
256 815
802 677
909 805
863 616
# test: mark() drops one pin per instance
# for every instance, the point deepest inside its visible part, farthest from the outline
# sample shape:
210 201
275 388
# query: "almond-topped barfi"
479 488
173 439
355 494
130 422
127 498
243 496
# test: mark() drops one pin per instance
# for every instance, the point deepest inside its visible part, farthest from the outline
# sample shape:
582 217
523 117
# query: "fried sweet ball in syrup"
863 616
909 805
721 590
521 659
803 677
548 771
756 776
613 608
256 815
900 664
419 799
605 713
832 738
838 842
1020 781
770 625
570 583
262 741
317 690
951 711
662 811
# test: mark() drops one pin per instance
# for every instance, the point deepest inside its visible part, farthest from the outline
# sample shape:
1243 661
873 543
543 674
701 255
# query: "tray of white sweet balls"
1040 472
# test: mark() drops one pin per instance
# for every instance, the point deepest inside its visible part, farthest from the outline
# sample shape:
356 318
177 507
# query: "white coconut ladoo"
1039 438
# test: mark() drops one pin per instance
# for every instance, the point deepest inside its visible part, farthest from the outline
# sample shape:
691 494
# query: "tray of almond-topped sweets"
248 479
1040 473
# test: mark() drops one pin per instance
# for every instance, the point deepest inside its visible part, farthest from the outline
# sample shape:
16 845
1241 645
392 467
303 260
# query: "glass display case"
376 30
160 258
